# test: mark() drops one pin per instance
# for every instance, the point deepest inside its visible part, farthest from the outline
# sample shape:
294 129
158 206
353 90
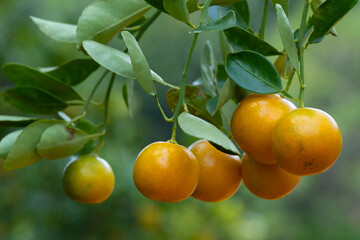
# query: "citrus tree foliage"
42 94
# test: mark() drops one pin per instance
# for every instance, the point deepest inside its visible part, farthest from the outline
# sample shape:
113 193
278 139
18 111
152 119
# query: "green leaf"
87 126
283 3
199 128
208 69
157 4
15 121
73 72
114 60
23 152
103 19
327 15
61 32
178 9
242 39
240 8
90 128
24 76
61 141
33 100
7 142
254 72
221 76
227 21
226 94
211 105
315 4
139 64
128 95
225 46
196 101
287 37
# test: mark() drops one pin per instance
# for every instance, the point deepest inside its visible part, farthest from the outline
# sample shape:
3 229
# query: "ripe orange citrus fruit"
88 179
306 141
166 172
220 173
268 181
253 122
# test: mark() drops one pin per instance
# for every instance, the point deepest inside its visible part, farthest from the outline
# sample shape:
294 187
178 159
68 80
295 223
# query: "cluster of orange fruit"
281 144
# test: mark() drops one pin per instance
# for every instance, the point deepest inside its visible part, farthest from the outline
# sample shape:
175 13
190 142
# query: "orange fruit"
253 122
220 173
166 172
306 141
88 179
268 181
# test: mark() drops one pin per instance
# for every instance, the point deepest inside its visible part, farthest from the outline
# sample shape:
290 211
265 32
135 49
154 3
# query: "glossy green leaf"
287 37
103 19
199 128
227 21
23 152
24 76
7 142
15 121
139 64
196 101
315 4
327 15
221 76
208 69
254 72
283 3
74 71
242 39
61 32
178 10
114 60
240 8
33 101
128 95
211 105
225 46
61 141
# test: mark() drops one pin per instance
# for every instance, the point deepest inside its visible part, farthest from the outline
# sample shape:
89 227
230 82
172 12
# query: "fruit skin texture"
306 141
166 172
268 181
220 173
253 122
88 179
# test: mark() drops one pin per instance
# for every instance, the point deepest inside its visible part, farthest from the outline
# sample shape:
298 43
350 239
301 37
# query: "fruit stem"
185 72
301 52
290 80
263 23
106 101
88 101
106 111
161 109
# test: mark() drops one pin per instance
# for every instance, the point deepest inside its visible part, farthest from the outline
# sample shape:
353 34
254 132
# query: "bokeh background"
34 206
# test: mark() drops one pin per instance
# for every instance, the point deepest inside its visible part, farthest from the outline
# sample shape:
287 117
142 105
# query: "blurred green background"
326 206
